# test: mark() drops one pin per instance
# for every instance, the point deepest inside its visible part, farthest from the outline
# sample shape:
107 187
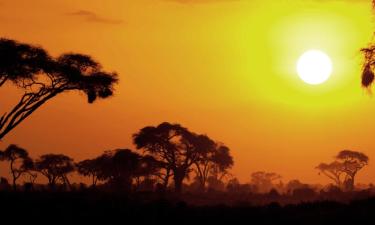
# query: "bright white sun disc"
314 67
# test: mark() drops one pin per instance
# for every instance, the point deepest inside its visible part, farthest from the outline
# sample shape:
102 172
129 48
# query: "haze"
224 68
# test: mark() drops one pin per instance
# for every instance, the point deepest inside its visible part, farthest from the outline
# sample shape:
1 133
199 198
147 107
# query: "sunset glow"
222 68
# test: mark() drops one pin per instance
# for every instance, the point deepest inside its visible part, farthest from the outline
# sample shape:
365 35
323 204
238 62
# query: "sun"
314 67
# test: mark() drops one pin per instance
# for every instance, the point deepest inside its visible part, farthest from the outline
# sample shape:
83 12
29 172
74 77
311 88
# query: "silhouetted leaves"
42 77
176 148
347 163
19 160
55 167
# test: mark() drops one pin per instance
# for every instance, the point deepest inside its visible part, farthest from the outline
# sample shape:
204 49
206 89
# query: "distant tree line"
167 155
167 151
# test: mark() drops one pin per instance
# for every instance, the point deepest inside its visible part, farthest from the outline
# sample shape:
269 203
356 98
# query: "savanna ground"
94 207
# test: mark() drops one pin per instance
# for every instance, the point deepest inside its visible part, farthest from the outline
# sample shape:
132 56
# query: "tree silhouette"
55 167
148 167
233 185
352 162
94 168
174 146
333 171
125 163
41 77
119 167
215 163
19 160
294 185
263 180
214 183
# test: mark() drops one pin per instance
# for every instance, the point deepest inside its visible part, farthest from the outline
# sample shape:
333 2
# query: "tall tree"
214 162
333 171
352 161
55 167
174 146
41 77
19 160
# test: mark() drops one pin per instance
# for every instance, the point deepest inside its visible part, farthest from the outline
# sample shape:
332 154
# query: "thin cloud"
93 17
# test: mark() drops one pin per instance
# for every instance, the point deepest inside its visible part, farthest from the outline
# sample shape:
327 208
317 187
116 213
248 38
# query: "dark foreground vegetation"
88 207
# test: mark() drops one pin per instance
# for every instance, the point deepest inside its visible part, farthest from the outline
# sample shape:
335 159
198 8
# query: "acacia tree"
55 167
19 161
174 146
94 168
213 163
352 162
119 168
41 77
264 180
333 171
124 165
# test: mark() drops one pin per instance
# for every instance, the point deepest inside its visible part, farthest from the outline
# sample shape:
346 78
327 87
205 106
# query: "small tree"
233 185
55 167
148 168
125 164
215 163
119 167
19 159
264 180
352 162
93 168
294 185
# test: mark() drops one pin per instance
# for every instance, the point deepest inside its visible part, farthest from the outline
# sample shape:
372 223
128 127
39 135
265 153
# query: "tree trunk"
166 179
13 175
178 184
94 179
178 177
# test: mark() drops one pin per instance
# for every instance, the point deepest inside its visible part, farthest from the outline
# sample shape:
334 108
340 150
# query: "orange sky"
225 68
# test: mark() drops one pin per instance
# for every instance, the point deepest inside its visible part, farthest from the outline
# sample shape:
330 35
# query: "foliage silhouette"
41 78
214 163
55 167
119 169
122 168
333 171
263 180
347 164
19 160
352 161
175 147
94 168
